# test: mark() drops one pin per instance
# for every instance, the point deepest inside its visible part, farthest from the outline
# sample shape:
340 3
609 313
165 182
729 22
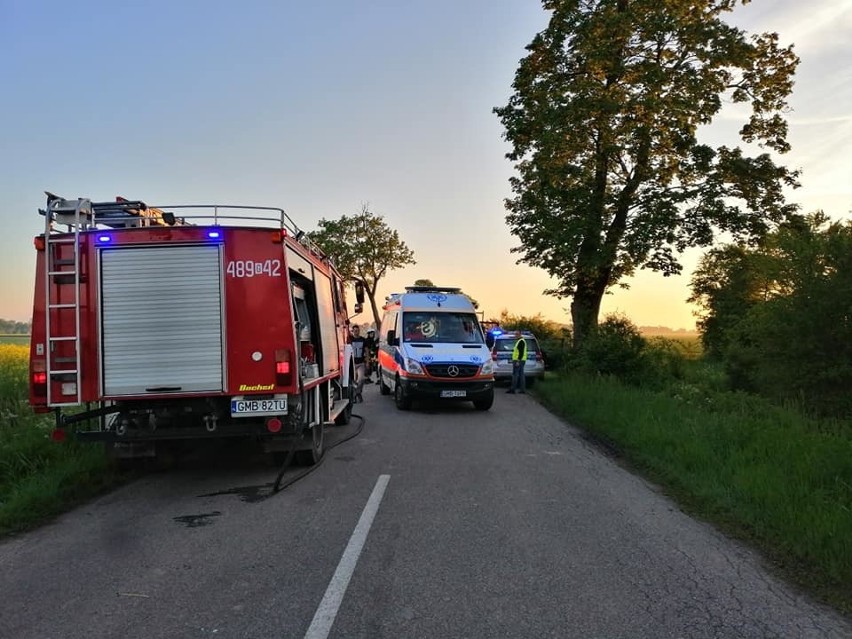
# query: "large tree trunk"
377 318
585 308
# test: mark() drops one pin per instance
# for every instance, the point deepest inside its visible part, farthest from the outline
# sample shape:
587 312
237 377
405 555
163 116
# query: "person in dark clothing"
358 353
370 352
519 360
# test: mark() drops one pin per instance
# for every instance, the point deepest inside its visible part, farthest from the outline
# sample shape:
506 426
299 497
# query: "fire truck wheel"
403 401
315 437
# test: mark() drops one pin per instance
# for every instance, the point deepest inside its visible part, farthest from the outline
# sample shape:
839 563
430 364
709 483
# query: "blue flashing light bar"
103 239
214 235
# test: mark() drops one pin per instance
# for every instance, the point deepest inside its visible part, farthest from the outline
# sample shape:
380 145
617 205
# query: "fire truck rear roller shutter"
162 319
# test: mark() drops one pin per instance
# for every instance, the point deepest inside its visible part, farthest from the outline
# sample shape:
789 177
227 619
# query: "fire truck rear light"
39 378
38 242
277 237
283 368
58 435
273 425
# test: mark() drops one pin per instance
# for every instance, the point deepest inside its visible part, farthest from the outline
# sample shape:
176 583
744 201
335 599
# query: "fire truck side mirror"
359 293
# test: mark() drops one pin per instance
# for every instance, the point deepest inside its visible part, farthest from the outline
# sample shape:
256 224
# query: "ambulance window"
388 324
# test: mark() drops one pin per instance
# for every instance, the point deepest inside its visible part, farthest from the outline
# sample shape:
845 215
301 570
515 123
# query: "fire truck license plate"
454 393
248 407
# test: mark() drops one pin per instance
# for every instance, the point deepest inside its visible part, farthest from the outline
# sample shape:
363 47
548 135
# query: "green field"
15 339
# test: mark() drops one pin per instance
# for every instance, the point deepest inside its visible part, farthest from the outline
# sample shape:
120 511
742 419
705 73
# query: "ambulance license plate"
454 393
250 407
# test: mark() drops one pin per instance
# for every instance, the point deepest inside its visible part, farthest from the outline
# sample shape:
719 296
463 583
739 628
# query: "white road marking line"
330 604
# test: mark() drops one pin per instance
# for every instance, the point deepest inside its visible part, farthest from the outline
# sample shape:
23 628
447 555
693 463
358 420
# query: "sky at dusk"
319 107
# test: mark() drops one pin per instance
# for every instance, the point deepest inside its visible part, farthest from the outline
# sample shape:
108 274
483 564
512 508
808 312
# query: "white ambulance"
432 346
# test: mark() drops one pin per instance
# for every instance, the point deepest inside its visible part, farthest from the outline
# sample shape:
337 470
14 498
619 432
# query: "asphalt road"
440 522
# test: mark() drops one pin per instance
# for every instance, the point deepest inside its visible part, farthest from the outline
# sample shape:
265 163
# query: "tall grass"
763 472
38 477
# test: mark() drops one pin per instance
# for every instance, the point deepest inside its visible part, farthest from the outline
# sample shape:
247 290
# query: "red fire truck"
186 322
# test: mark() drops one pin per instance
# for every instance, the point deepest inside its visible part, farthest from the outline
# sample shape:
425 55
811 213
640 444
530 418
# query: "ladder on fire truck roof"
125 213
60 273
62 278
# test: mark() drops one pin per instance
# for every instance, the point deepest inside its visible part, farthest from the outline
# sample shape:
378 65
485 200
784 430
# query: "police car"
502 344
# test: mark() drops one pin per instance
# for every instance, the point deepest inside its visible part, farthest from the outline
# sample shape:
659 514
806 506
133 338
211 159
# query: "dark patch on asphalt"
248 494
345 458
607 446
196 521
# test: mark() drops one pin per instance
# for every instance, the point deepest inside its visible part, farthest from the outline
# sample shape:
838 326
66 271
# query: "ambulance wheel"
403 401
484 403
313 454
384 389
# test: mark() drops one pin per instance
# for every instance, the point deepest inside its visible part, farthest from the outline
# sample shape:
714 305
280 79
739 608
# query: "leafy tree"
799 343
603 124
725 285
11 327
781 312
364 248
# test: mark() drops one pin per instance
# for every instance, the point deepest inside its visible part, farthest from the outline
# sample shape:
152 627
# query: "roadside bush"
615 347
796 349
38 477
662 360
13 382
556 353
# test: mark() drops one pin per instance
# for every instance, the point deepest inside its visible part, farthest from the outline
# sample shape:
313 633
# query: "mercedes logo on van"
453 371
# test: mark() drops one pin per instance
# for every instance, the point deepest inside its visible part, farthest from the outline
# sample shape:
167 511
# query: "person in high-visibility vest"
519 360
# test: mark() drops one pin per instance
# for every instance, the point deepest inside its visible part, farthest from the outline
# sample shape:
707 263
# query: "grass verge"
39 478
762 473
